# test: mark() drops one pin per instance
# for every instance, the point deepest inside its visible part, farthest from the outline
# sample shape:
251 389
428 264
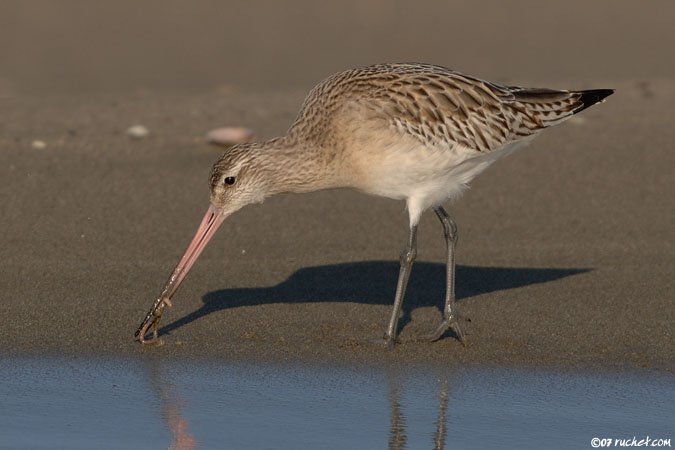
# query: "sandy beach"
567 248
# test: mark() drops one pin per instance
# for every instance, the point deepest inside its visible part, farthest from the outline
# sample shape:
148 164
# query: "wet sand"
566 254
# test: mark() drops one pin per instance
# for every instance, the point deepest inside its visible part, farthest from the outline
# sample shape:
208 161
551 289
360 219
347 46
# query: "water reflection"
397 437
297 406
403 396
397 433
171 408
441 429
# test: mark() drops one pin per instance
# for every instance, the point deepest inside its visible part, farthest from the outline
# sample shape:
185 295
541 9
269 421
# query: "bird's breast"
402 168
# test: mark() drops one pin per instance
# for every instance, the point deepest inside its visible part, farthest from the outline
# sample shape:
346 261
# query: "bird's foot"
150 324
390 341
448 323
386 341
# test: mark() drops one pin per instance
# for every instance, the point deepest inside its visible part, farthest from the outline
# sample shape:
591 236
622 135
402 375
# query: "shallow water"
131 403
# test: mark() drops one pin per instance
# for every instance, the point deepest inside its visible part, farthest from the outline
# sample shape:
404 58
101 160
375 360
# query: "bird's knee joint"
450 231
408 256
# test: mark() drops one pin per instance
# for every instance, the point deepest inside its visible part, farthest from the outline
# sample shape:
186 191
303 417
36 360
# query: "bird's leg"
450 313
407 258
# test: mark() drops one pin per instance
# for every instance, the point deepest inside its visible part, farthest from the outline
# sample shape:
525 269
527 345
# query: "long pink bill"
212 220
210 223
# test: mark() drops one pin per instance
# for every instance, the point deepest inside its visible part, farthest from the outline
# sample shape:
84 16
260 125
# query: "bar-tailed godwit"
414 132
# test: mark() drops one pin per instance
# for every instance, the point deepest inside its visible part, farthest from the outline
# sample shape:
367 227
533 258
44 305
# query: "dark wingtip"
591 97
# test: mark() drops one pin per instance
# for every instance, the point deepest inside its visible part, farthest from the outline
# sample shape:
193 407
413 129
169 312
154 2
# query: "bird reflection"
397 437
170 404
397 434
441 430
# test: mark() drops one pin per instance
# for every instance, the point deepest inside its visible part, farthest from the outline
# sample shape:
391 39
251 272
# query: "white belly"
426 177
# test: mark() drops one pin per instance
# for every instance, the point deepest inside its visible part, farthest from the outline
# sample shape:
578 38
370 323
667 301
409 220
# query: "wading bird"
414 132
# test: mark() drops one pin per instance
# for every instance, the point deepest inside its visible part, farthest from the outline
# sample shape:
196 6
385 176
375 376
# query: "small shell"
38 144
228 136
137 131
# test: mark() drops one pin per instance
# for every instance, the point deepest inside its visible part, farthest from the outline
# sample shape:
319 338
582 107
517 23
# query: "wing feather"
439 106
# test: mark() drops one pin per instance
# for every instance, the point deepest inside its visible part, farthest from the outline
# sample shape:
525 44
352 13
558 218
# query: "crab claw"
151 323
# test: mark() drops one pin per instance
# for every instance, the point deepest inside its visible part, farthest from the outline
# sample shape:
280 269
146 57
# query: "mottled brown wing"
438 105
447 108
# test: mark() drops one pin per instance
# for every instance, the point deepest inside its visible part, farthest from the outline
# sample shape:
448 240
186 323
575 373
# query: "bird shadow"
374 283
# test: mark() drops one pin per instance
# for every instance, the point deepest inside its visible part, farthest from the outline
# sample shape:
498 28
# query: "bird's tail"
547 107
590 98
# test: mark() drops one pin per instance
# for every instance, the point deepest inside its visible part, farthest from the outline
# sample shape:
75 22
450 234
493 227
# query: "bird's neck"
293 165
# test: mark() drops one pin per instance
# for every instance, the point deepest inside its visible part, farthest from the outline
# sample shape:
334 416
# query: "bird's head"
239 178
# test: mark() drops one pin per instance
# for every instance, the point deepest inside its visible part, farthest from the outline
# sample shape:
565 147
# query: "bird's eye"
230 180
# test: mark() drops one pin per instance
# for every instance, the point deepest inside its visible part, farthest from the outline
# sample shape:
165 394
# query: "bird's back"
437 105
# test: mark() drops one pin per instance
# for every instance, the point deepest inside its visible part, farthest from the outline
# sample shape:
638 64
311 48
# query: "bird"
406 131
